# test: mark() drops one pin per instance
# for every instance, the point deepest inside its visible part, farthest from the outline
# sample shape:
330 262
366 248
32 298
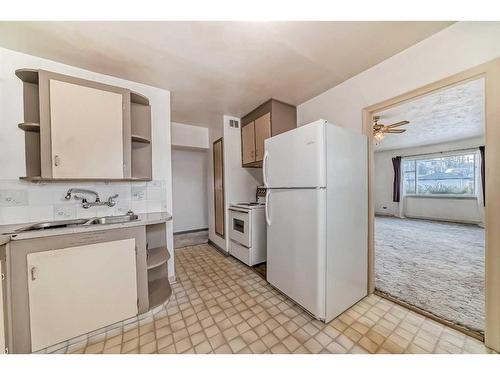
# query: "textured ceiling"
448 115
216 68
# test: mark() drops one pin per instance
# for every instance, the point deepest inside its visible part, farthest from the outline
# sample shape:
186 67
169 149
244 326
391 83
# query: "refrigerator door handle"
268 218
264 171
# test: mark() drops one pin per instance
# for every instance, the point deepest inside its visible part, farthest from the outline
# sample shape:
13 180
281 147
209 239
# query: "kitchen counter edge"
144 219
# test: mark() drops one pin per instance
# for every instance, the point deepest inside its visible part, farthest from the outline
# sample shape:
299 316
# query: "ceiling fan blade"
396 124
395 131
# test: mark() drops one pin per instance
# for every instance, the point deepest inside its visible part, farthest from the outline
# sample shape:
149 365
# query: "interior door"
79 289
218 155
86 126
296 158
262 132
296 243
248 143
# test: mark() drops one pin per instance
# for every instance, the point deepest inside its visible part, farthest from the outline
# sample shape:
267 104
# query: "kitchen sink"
52 225
79 222
112 219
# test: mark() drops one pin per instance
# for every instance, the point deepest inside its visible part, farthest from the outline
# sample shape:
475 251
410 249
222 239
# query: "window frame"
440 155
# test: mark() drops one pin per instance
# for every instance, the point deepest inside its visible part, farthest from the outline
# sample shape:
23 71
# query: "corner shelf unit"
36 126
140 124
157 256
31 124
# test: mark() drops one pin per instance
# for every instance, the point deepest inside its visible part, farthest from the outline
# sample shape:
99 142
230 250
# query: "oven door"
239 227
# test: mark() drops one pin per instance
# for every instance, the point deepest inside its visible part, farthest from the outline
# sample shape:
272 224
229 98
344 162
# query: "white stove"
248 205
247 232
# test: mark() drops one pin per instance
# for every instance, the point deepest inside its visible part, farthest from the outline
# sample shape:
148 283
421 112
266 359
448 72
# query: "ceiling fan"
380 130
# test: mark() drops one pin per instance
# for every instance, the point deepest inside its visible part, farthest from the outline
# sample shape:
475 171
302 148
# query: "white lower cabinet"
76 290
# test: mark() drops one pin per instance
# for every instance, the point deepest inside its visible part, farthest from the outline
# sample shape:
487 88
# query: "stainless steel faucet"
110 202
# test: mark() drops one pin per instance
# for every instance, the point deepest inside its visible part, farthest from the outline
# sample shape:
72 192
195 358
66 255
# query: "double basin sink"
79 222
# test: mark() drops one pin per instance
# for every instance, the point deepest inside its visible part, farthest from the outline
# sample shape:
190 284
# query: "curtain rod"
442 152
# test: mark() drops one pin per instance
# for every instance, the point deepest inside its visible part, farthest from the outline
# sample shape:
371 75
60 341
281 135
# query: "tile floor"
221 306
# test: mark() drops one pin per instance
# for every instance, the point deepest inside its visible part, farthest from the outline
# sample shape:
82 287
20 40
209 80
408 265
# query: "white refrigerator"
317 216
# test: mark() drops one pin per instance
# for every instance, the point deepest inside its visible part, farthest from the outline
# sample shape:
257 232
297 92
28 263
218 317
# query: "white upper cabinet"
76 129
86 127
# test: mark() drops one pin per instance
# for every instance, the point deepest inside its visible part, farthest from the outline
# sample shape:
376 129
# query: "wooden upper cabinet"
248 143
262 132
269 119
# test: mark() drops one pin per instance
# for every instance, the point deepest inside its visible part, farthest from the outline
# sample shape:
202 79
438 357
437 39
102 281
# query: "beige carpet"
436 266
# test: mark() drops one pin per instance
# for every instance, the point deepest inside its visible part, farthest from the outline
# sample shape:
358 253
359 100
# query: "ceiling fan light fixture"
378 136
380 130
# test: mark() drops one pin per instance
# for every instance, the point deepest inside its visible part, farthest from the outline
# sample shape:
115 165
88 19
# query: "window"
444 175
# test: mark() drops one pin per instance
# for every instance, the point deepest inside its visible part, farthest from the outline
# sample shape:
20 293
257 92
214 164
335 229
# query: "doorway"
190 196
429 214
491 74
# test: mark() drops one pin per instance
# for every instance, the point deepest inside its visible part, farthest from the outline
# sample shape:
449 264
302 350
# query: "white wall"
189 184
240 184
461 46
45 201
184 135
461 210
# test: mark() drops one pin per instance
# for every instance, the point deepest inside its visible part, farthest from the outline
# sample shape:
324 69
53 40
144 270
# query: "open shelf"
141 160
28 75
29 127
140 139
159 292
140 126
137 98
157 256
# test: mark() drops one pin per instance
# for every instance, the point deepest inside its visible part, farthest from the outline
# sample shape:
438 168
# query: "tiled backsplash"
23 202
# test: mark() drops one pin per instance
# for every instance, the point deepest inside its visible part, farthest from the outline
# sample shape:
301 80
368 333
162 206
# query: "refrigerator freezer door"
296 158
296 246
347 220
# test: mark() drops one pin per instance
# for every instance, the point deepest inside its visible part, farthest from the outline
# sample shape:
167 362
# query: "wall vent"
234 124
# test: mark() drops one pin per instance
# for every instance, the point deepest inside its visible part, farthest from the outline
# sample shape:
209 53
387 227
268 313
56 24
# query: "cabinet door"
2 317
262 132
86 127
79 289
248 143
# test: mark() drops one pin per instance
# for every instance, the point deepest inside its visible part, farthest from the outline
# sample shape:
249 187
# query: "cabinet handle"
33 273
57 160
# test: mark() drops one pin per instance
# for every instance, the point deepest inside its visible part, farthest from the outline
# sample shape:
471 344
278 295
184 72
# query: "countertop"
7 231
